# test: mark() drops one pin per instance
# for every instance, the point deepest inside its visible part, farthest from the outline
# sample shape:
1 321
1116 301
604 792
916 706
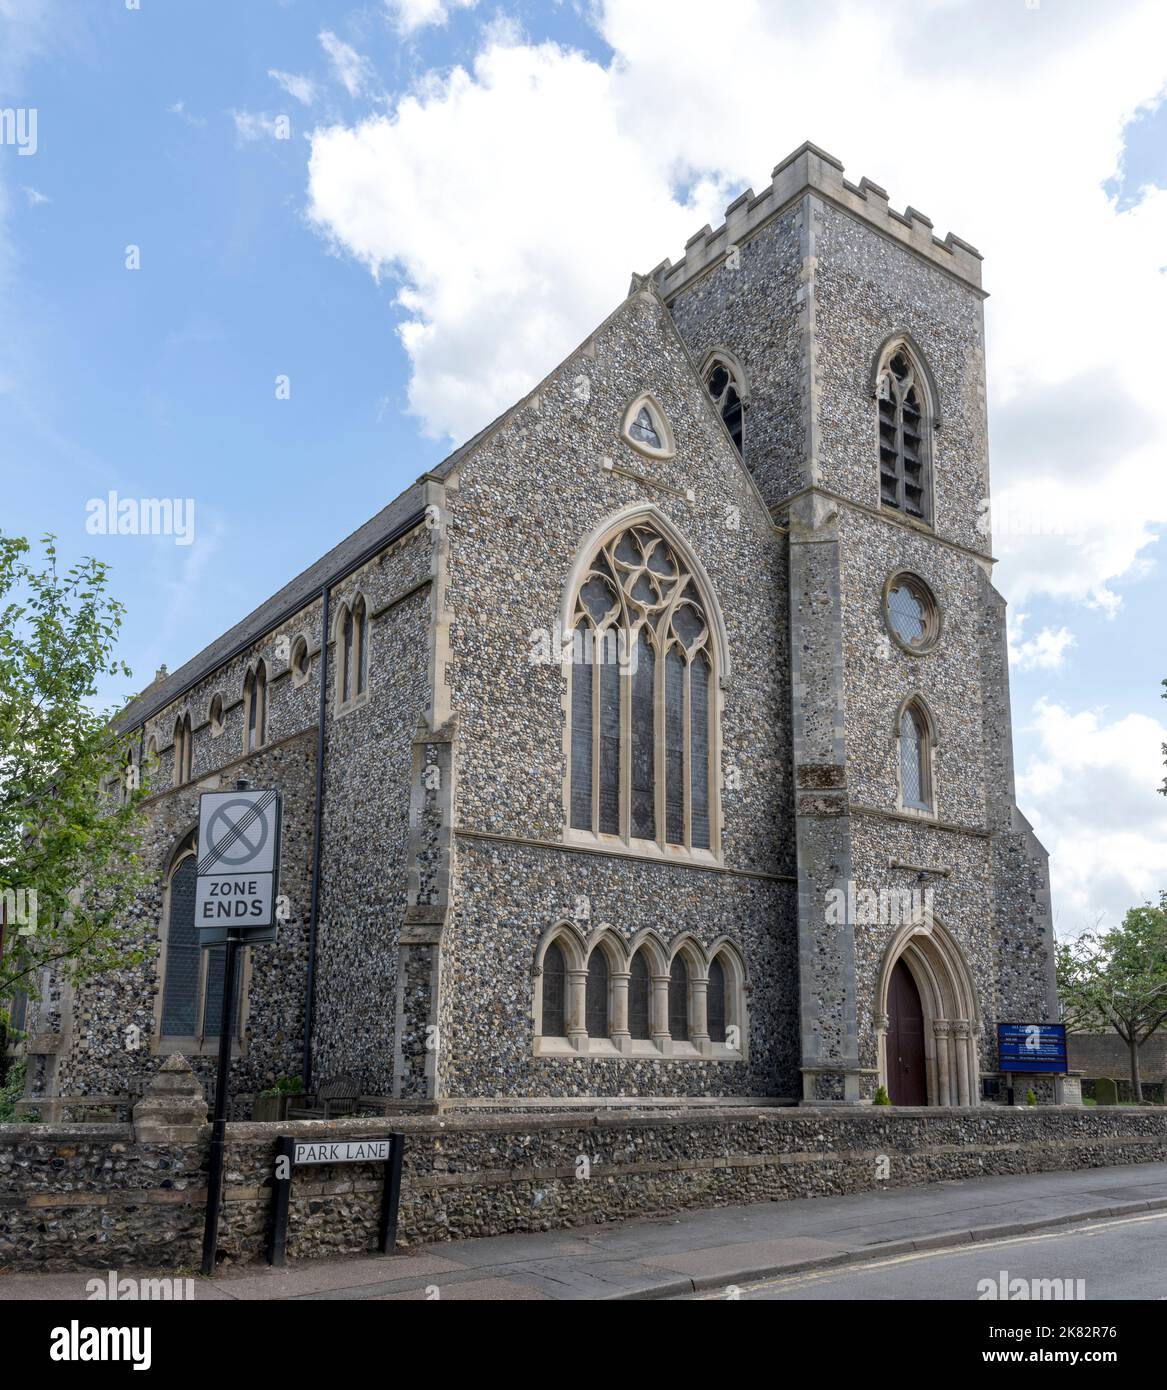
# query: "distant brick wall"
91 1197
1105 1054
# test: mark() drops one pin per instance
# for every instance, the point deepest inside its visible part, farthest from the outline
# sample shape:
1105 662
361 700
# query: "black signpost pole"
219 1131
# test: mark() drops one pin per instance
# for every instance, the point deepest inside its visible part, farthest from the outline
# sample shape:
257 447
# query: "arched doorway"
907 1081
925 998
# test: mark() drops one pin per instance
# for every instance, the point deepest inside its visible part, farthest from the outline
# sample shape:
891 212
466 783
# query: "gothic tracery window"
641 697
725 388
904 443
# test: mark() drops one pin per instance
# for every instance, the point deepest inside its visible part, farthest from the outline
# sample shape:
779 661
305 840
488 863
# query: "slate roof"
288 600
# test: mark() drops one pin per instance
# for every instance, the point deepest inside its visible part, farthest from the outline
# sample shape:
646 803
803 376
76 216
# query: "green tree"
1118 979
70 819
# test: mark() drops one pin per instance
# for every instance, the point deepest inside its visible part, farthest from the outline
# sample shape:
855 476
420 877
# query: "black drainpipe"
317 835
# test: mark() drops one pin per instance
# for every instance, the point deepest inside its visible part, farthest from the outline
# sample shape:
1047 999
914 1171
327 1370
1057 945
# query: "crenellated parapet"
812 168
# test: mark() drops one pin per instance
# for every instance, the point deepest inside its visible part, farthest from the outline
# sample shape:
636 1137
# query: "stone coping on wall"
516 1122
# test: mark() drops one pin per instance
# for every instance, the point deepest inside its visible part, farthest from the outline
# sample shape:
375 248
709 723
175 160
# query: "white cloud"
410 15
1090 791
510 244
179 109
35 197
351 68
513 199
302 88
1046 651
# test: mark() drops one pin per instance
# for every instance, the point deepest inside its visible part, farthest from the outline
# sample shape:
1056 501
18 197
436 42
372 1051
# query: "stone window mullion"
577 984
619 1031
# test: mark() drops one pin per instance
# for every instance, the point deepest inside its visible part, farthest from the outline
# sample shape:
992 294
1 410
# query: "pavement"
691 1252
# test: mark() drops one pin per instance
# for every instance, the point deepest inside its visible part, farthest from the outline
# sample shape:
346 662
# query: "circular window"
911 613
299 661
217 714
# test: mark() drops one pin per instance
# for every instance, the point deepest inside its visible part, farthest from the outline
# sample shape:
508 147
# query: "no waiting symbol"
236 832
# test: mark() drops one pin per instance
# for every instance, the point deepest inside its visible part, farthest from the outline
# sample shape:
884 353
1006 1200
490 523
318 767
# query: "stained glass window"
639 996
912 613
180 990
643 429
913 755
675 747
643 740
715 1001
640 723
596 999
581 731
679 1000
346 657
554 993
361 637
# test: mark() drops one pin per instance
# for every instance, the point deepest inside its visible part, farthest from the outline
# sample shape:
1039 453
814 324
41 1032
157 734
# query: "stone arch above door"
952 1022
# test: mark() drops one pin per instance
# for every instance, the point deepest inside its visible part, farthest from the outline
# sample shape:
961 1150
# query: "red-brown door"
906 1080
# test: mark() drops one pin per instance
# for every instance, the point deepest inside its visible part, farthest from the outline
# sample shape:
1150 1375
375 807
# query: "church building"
655 745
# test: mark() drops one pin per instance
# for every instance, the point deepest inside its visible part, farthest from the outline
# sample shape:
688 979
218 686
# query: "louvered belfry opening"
903 461
727 397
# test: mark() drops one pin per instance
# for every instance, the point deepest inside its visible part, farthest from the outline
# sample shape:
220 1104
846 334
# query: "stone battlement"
810 167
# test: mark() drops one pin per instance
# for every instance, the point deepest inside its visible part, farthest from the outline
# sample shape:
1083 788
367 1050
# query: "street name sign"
346 1151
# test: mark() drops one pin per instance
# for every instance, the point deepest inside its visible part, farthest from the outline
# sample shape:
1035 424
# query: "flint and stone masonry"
459 933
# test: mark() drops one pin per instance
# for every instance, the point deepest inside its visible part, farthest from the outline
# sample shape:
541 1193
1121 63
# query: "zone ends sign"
239 855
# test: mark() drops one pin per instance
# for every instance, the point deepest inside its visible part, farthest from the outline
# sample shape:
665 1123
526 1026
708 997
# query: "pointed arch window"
640 999
915 740
724 383
679 1000
352 655
905 431
255 708
554 1021
642 735
183 751
715 1001
596 999
192 990
361 637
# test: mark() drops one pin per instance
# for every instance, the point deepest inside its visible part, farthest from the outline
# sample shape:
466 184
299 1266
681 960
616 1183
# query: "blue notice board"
1032 1046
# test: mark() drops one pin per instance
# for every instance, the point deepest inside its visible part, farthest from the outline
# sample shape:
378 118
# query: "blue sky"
458 177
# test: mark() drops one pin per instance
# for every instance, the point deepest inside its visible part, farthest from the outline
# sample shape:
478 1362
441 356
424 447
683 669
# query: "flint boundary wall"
94 1196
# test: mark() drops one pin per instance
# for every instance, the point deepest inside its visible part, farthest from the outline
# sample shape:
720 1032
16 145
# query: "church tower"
844 344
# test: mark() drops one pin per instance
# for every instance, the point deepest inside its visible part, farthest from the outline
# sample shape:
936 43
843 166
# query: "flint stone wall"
91 1197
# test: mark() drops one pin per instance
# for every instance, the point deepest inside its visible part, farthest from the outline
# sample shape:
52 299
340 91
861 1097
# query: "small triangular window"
644 429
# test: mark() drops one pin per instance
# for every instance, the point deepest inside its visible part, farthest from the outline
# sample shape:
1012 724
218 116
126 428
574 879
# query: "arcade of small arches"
599 995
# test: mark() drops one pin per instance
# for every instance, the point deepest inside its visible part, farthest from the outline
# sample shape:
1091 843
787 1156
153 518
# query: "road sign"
235 898
292 1153
1032 1047
238 865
